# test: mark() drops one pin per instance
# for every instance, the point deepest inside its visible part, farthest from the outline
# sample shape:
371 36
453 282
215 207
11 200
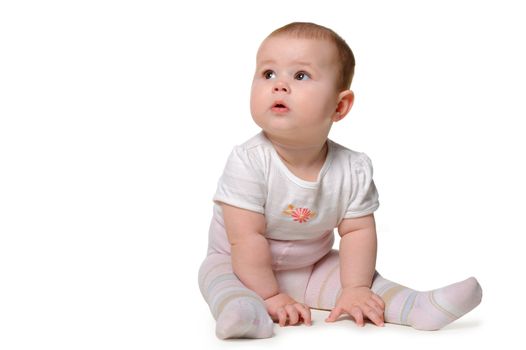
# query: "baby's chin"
293 135
277 125
280 132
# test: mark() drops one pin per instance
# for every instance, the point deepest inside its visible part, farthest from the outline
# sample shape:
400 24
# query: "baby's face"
294 94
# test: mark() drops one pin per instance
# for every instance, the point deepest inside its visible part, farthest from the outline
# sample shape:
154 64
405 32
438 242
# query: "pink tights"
309 272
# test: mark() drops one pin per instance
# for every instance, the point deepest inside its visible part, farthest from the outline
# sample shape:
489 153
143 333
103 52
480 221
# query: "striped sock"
239 312
429 310
244 317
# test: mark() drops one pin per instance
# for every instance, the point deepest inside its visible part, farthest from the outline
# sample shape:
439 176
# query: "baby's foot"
437 308
430 310
244 318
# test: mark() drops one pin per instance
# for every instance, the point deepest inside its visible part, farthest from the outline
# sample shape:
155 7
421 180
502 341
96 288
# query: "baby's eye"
302 76
268 74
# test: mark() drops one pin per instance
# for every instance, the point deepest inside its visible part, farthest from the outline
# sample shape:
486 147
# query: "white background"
116 118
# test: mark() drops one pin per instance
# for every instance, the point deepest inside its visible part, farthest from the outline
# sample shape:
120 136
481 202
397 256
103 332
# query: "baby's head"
305 30
301 84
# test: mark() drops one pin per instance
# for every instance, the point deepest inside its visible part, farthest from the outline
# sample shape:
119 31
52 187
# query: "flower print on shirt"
300 215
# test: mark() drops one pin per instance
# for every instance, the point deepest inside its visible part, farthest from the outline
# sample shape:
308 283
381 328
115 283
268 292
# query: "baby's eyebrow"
302 63
295 63
265 62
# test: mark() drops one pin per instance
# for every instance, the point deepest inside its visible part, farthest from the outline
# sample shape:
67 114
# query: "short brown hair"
308 30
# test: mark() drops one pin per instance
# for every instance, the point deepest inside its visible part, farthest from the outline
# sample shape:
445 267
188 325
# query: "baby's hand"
359 302
283 308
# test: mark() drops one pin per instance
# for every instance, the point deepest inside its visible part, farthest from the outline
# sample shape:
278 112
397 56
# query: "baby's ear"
345 102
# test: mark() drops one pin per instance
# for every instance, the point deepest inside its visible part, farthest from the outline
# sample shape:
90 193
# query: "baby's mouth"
279 107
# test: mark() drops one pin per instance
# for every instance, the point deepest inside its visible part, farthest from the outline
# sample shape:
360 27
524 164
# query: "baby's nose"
281 87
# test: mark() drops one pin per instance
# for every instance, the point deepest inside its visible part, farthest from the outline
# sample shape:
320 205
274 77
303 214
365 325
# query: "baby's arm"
251 259
358 247
357 268
252 263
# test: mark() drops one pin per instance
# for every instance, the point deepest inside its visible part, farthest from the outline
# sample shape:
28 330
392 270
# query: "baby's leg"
429 310
324 285
239 312
294 282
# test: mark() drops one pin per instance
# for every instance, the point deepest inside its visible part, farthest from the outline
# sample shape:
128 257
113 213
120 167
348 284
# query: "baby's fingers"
292 314
375 317
305 313
335 313
357 313
374 305
282 316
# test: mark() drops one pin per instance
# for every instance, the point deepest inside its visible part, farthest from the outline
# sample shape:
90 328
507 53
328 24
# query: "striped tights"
318 286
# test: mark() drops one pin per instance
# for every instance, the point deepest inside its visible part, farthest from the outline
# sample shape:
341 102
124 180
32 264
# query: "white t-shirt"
255 178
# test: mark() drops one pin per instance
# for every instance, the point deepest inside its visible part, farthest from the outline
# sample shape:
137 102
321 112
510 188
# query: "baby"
283 192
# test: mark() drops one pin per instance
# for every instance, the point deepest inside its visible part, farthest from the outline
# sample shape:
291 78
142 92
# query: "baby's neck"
304 161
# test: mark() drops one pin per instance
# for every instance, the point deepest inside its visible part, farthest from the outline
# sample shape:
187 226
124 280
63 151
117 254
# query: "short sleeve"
364 196
242 184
